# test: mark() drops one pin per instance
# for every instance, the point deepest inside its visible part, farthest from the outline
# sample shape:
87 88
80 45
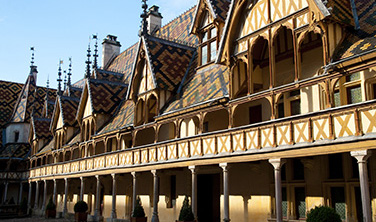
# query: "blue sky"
61 29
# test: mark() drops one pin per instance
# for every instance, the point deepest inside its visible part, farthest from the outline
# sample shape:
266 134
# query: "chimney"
154 19
110 49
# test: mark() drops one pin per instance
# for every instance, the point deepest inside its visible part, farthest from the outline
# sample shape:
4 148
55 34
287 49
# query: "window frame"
208 43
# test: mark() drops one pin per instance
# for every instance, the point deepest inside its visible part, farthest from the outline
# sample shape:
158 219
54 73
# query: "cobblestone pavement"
36 219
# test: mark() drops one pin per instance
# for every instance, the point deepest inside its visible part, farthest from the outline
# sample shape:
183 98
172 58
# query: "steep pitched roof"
105 95
123 63
41 128
364 39
24 105
123 118
15 151
205 85
9 93
101 74
169 61
69 107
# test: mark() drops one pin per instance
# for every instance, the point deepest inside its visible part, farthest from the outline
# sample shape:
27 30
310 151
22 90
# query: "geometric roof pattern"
106 96
109 75
9 93
361 40
41 128
13 150
220 8
123 63
69 106
123 118
208 83
169 61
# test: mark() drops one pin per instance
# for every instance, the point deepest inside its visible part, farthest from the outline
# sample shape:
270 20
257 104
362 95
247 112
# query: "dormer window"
208 45
208 40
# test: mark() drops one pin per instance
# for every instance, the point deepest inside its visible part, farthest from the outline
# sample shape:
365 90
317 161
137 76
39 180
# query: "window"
289 104
255 114
348 90
300 204
16 136
338 200
208 45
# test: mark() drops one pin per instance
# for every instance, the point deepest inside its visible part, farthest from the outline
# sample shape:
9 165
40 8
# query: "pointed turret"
59 78
144 22
88 62
95 62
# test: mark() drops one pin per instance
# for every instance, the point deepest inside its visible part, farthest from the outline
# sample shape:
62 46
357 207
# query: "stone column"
113 212
97 199
29 199
194 190
5 192
36 195
20 194
134 194
362 156
155 217
55 192
65 209
277 164
226 193
82 188
44 195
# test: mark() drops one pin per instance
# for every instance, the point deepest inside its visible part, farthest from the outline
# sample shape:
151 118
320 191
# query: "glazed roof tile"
169 61
123 118
207 84
15 150
41 127
364 39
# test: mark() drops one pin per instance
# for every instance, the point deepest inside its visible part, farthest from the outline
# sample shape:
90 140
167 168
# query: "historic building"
257 110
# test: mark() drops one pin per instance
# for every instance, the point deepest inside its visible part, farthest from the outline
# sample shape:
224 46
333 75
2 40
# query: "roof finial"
95 65
48 82
59 78
32 56
65 80
69 72
88 62
144 22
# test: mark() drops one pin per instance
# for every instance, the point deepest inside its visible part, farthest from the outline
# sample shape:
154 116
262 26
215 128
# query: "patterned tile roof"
106 96
207 84
9 92
123 118
220 8
41 128
109 76
179 28
69 107
23 106
75 92
13 150
169 61
341 11
364 39
123 63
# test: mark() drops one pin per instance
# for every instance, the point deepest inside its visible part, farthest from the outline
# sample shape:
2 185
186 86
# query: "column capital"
114 175
277 163
97 176
361 155
225 166
154 172
193 169
135 174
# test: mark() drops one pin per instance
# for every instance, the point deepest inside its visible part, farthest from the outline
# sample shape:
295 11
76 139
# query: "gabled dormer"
208 24
64 124
40 134
160 68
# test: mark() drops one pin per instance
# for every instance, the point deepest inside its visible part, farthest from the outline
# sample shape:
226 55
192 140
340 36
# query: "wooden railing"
329 125
15 175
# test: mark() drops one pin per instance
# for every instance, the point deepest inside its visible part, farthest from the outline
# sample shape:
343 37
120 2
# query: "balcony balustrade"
323 127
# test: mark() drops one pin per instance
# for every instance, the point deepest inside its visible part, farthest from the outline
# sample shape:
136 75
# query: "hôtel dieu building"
258 110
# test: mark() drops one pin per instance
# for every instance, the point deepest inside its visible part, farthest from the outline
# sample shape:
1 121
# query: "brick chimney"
110 49
154 19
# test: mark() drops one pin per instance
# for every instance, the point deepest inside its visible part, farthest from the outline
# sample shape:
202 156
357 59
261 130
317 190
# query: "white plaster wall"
22 128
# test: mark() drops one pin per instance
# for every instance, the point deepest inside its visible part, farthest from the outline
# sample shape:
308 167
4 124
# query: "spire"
69 72
33 68
59 79
95 64
144 22
65 80
88 62
48 82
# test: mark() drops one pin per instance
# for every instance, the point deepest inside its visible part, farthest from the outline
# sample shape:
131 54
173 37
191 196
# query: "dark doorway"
255 114
208 194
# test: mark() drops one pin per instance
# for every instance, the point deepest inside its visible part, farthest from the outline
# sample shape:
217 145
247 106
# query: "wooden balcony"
327 127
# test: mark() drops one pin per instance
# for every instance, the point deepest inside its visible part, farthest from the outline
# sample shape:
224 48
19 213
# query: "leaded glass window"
337 98
338 201
354 94
300 203
295 107
204 55
284 202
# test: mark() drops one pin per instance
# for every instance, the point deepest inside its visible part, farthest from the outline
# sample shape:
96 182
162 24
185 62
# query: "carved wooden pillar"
277 164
